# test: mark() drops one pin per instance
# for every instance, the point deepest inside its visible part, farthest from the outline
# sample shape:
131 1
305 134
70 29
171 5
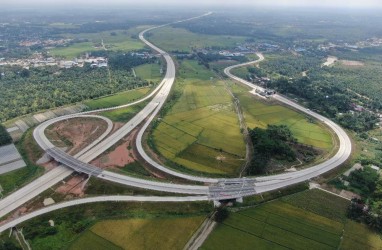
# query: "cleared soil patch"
73 186
352 63
76 133
330 61
119 156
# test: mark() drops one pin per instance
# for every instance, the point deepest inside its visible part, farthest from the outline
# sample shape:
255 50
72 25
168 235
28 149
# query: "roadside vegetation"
30 152
5 138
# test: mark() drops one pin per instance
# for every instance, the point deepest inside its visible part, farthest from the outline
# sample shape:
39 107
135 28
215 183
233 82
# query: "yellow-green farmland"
155 233
201 131
309 220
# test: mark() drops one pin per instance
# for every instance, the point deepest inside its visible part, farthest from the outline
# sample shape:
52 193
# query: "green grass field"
281 225
241 72
72 51
124 114
118 99
149 72
122 41
172 39
201 131
155 233
259 114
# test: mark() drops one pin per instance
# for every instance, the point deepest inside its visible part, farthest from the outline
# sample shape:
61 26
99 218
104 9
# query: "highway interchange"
217 189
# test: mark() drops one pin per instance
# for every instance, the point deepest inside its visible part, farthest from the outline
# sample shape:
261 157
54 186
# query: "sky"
281 3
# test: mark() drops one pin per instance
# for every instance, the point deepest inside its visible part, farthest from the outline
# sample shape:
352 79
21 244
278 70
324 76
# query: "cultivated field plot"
149 72
201 131
156 233
10 159
259 114
178 39
118 99
281 225
113 40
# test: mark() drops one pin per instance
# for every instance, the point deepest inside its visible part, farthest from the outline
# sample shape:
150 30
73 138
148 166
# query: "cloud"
282 3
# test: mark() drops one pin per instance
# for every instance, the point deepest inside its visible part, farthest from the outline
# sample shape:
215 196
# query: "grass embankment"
121 40
118 99
178 39
307 220
124 114
30 152
201 130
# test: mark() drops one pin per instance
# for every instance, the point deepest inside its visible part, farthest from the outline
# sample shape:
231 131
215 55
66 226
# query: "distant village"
40 60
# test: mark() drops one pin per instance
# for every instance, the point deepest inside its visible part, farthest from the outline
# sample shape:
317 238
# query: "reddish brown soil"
49 165
73 186
119 156
80 132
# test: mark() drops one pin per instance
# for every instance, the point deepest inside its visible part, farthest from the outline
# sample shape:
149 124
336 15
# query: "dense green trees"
50 87
273 142
359 122
368 209
5 138
127 61
329 100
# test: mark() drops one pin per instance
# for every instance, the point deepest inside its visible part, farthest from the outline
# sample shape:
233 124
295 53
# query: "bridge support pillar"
239 200
217 203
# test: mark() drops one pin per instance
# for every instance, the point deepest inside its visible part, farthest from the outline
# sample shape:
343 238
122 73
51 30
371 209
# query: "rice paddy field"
289 224
118 99
201 131
150 233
